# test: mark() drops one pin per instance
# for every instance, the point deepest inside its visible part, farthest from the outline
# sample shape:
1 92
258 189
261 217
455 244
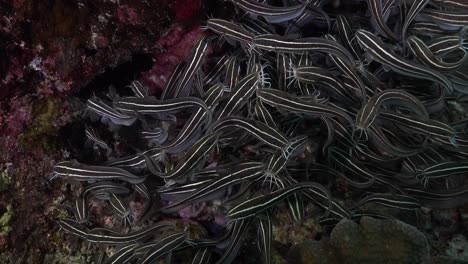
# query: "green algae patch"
5 220
5 180
46 113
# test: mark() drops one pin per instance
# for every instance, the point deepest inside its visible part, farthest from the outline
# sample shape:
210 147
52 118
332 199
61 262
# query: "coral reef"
370 241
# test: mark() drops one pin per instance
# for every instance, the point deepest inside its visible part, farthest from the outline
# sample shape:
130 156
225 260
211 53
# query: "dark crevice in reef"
119 76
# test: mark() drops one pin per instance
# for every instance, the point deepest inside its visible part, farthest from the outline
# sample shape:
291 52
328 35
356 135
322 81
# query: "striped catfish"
139 89
400 201
428 28
192 67
346 35
203 256
265 236
163 247
152 106
383 55
96 105
171 84
442 170
194 125
443 198
416 8
93 137
238 174
190 161
237 232
454 4
376 10
313 74
421 51
351 164
288 102
450 18
272 14
369 111
122 209
77 171
156 135
233 70
279 43
104 188
73 227
242 93
381 139
81 210
259 130
431 127
348 70
263 115
230 29
123 255
216 70
446 44
136 162
259 204
106 236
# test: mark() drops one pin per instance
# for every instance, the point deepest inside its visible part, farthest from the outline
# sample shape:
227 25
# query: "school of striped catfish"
295 96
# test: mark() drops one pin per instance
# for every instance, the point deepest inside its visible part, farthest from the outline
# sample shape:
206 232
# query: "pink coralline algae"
127 15
176 45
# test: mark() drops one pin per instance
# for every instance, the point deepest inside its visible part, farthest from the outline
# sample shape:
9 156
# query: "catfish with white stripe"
136 163
272 14
92 136
163 247
242 93
80 172
123 255
376 48
450 18
369 111
237 231
376 10
237 174
122 209
454 4
431 127
193 126
110 237
345 160
446 44
313 74
156 135
108 113
348 70
230 30
139 89
216 70
288 102
259 130
425 55
73 227
428 28
190 161
233 70
399 201
203 256
346 35
279 43
171 84
415 9
265 236
442 170
259 204
153 106
192 67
